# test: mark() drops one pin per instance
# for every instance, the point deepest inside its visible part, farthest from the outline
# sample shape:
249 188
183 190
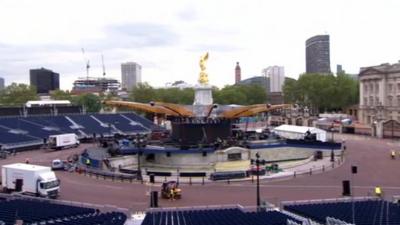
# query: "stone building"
380 99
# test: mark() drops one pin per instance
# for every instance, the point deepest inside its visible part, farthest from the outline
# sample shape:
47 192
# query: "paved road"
370 155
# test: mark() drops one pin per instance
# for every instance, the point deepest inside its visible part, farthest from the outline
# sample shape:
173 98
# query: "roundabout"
372 156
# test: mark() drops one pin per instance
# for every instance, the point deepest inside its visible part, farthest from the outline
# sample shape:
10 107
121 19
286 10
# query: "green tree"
61 95
240 94
322 92
291 93
17 94
143 92
91 102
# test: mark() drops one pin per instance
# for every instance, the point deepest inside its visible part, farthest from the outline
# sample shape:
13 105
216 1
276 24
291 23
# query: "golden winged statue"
203 79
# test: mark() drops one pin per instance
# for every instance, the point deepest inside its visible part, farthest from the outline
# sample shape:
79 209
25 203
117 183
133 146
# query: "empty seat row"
24 129
366 212
35 212
216 217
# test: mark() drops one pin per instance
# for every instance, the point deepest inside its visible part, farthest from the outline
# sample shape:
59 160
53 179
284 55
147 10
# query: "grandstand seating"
40 127
121 123
10 138
43 212
57 122
216 217
145 122
366 212
34 129
89 125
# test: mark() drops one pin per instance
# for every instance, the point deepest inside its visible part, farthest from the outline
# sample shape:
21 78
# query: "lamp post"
139 143
332 153
258 162
258 180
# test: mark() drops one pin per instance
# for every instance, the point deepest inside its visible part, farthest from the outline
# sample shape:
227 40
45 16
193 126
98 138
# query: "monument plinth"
203 91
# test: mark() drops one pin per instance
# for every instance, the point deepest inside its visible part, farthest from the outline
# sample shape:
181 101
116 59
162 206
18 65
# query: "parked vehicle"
30 179
61 141
57 164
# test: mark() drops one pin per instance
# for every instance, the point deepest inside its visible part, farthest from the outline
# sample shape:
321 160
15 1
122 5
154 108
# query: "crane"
104 67
87 62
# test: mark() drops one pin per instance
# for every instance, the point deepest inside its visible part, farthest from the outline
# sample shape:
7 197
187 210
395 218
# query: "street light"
258 162
139 143
332 153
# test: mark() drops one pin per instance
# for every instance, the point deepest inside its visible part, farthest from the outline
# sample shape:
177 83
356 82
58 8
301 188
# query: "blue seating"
9 138
37 128
89 125
58 123
216 217
34 129
367 212
62 122
120 123
145 122
34 212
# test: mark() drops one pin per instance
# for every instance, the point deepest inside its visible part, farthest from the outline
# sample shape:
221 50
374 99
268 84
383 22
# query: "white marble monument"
203 92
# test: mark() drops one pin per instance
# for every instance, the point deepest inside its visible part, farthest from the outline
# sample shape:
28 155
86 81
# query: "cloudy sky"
168 37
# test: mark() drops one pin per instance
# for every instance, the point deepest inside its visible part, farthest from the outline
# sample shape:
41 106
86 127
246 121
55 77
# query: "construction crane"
104 67
87 62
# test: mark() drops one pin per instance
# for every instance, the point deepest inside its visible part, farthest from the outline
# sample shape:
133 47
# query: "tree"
291 93
61 95
143 92
240 94
17 94
91 102
322 92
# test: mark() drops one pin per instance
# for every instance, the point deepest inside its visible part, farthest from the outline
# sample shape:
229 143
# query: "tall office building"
44 80
318 54
131 75
238 73
276 75
1 83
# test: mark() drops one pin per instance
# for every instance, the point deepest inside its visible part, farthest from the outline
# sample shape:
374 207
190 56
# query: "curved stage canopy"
170 109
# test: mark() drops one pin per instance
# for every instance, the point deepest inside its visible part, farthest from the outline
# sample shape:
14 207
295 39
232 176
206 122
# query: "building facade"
44 80
379 90
2 83
238 73
318 54
131 75
276 75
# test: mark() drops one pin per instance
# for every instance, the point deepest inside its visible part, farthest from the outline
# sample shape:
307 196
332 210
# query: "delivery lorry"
30 179
61 141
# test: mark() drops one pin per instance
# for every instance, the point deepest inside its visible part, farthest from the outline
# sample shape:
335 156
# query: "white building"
379 88
276 75
131 75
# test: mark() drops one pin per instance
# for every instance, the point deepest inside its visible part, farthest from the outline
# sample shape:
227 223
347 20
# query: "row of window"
374 88
369 88
371 101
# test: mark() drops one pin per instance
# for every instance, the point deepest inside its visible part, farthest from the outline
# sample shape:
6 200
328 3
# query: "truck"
30 179
61 141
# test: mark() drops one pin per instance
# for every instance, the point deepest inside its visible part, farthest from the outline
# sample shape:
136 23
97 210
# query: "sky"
168 37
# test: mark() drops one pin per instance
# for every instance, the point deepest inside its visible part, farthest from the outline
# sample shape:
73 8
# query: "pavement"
370 155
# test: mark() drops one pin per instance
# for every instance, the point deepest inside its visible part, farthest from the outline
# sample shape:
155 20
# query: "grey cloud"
214 47
16 60
140 35
188 14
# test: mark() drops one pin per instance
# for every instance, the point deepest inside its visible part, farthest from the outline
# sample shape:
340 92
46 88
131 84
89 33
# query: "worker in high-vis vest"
378 191
87 162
